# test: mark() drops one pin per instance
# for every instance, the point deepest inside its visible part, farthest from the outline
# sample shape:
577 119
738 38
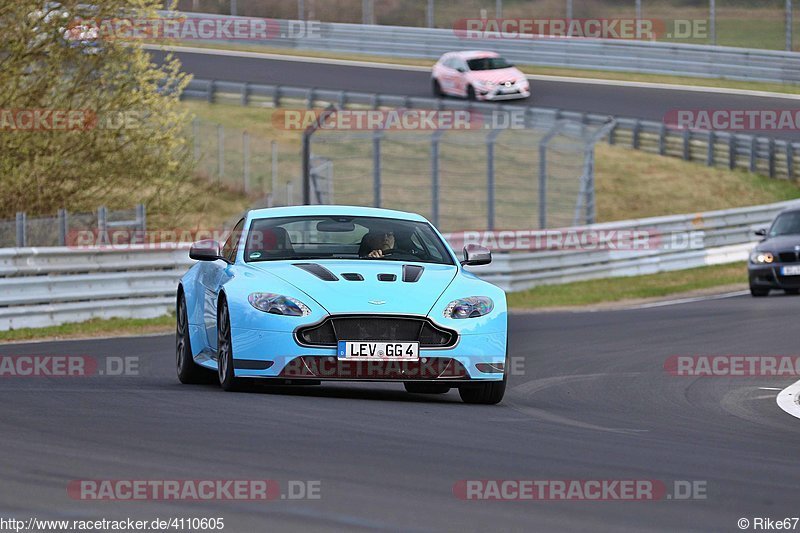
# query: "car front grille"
376 328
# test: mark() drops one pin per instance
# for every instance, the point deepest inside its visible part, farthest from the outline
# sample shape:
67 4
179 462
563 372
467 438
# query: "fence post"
789 25
712 22
63 227
220 152
498 9
753 153
301 10
211 89
710 149
662 139
310 101
790 160
21 229
429 21
246 160
290 193
637 129
306 149
376 169
543 173
732 152
102 225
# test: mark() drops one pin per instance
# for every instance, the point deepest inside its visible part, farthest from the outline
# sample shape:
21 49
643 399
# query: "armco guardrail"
763 155
644 57
46 286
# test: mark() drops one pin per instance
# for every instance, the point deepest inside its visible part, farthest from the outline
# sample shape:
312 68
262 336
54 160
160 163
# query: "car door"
214 276
459 77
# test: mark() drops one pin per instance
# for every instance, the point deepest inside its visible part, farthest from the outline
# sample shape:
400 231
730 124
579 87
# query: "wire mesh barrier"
537 176
69 228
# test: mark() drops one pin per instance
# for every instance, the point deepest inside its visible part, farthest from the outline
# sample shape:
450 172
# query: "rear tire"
437 89
426 388
225 372
758 293
189 372
471 93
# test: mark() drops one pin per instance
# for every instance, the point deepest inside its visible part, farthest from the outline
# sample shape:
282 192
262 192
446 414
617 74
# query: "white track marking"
690 300
416 68
788 399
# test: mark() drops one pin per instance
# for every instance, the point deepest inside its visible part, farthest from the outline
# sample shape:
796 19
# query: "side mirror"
476 255
761 232
461 69
205 250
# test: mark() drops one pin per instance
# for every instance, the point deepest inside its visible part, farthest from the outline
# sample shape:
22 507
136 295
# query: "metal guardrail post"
662 139
733 152
211 89
102 225
687 153
710 149
310 98
245 94
21 223
637 129
246 161
790 160
63 227
276 97
141 217
376 168
753 153
771 157
543 173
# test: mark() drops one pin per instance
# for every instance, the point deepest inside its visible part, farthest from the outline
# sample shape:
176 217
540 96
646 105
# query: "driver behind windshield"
375 243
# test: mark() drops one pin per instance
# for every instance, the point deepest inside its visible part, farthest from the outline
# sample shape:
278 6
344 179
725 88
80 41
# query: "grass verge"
629 288
114 327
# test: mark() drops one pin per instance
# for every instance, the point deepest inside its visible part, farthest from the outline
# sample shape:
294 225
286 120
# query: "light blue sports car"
304 294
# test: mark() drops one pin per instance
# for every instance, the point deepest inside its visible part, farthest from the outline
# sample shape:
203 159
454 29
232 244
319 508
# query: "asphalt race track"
590 400
638 102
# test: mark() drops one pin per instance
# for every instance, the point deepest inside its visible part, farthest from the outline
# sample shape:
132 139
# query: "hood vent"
412 273
318 270
387 277
352 276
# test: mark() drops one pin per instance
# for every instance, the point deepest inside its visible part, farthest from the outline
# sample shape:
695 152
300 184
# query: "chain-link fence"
69 228
541 175
743 23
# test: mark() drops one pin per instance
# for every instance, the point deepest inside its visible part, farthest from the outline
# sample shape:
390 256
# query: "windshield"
786 224
344 237
488 63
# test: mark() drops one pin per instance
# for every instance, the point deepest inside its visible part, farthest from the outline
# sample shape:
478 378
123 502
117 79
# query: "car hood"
498 75
370 295
784 242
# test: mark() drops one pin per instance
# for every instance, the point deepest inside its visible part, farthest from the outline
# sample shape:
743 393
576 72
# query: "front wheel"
471 93
227 379
437 89
486 393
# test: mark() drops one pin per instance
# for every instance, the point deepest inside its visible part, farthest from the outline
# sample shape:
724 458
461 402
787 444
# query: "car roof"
341 210
473 54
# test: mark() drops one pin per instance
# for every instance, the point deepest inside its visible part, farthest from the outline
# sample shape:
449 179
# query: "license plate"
790 270
379 351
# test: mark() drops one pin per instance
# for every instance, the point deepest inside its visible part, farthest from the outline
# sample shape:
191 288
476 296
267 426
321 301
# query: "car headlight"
278 304
484 84
471 307
761 257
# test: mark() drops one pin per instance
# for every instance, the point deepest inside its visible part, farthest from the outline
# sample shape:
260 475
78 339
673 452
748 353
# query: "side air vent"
411 273
318 270
387 277
353 276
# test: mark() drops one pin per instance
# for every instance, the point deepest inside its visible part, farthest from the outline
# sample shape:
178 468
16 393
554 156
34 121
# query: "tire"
189 372
791 291
490 393
437 89
758 293
426 388
227 379
471 93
